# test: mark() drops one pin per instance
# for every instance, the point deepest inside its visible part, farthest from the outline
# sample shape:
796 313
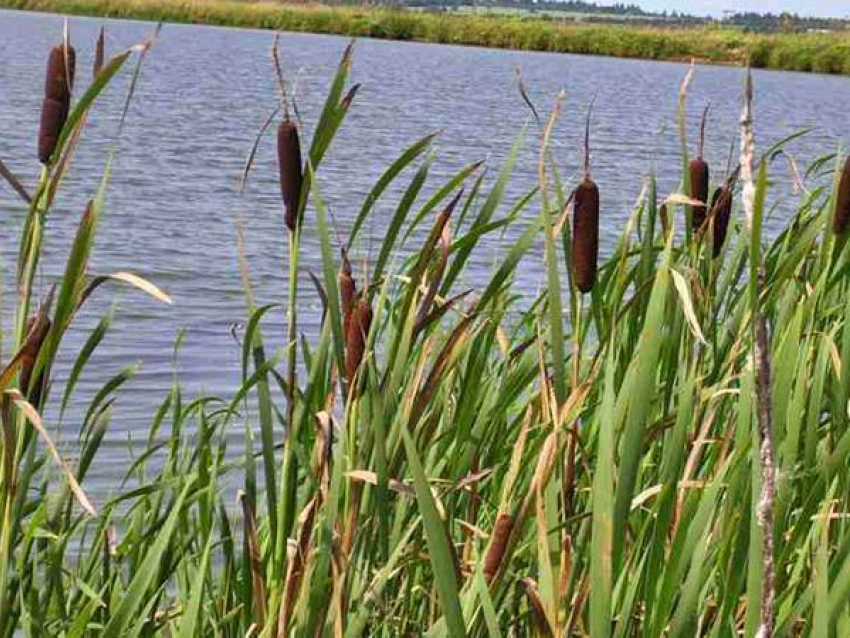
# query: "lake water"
204 92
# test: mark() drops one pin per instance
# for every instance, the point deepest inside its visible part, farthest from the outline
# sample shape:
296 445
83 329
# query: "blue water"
202 96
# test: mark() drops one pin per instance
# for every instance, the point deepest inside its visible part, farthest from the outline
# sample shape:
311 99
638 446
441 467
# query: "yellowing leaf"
684 291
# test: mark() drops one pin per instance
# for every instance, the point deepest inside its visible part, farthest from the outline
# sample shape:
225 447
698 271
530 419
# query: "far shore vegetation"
819 52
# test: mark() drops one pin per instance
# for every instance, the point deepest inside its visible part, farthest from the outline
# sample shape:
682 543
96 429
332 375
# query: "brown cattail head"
539 618
54 114
721 207
355 337
842 202
59 80
699 191
58 85
665 220
498 545
700 180
721 212
713 215
291 175
38 328
585 234
99 52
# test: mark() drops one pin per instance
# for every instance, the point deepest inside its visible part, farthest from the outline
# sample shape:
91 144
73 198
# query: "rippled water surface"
203 94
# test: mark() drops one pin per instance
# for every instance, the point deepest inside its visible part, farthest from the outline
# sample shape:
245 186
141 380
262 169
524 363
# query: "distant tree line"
633 14
567 6
786 22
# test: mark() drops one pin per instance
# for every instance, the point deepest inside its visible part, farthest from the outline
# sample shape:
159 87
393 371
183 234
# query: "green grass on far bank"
821 53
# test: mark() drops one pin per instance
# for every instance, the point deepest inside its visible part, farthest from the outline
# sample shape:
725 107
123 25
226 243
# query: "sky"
826 8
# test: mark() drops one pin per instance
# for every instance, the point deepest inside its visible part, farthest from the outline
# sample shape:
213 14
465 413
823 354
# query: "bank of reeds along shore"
657 445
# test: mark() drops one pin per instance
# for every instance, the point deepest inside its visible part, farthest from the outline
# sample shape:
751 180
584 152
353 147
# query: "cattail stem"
281 82
288 487
764 507
291 176
701 146
587 139
569 473
30 255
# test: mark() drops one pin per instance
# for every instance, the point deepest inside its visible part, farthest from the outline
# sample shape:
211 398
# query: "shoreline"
809 53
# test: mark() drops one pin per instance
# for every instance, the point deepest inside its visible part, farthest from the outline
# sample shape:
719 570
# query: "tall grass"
815 52
584 464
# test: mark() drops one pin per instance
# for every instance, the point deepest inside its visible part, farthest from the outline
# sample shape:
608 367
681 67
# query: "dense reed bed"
815 52
660 449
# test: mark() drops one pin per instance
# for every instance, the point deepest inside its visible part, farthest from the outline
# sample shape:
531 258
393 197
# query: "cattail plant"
355 336
713 210
291 171
498 545
699 171
664 216
842 201
58 86
288 151
586 223
37 329
721 212
347 299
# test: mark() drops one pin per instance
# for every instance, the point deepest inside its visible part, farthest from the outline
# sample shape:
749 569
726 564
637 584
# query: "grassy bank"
664 454
823 53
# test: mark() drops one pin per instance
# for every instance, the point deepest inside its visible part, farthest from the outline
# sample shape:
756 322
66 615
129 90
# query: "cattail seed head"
291 175
38 328
58 85
498 545
721 207
54 114
539 619
347 285
59 80
585 234
721 211
713 210
842 203
355 337
664 216
699 191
